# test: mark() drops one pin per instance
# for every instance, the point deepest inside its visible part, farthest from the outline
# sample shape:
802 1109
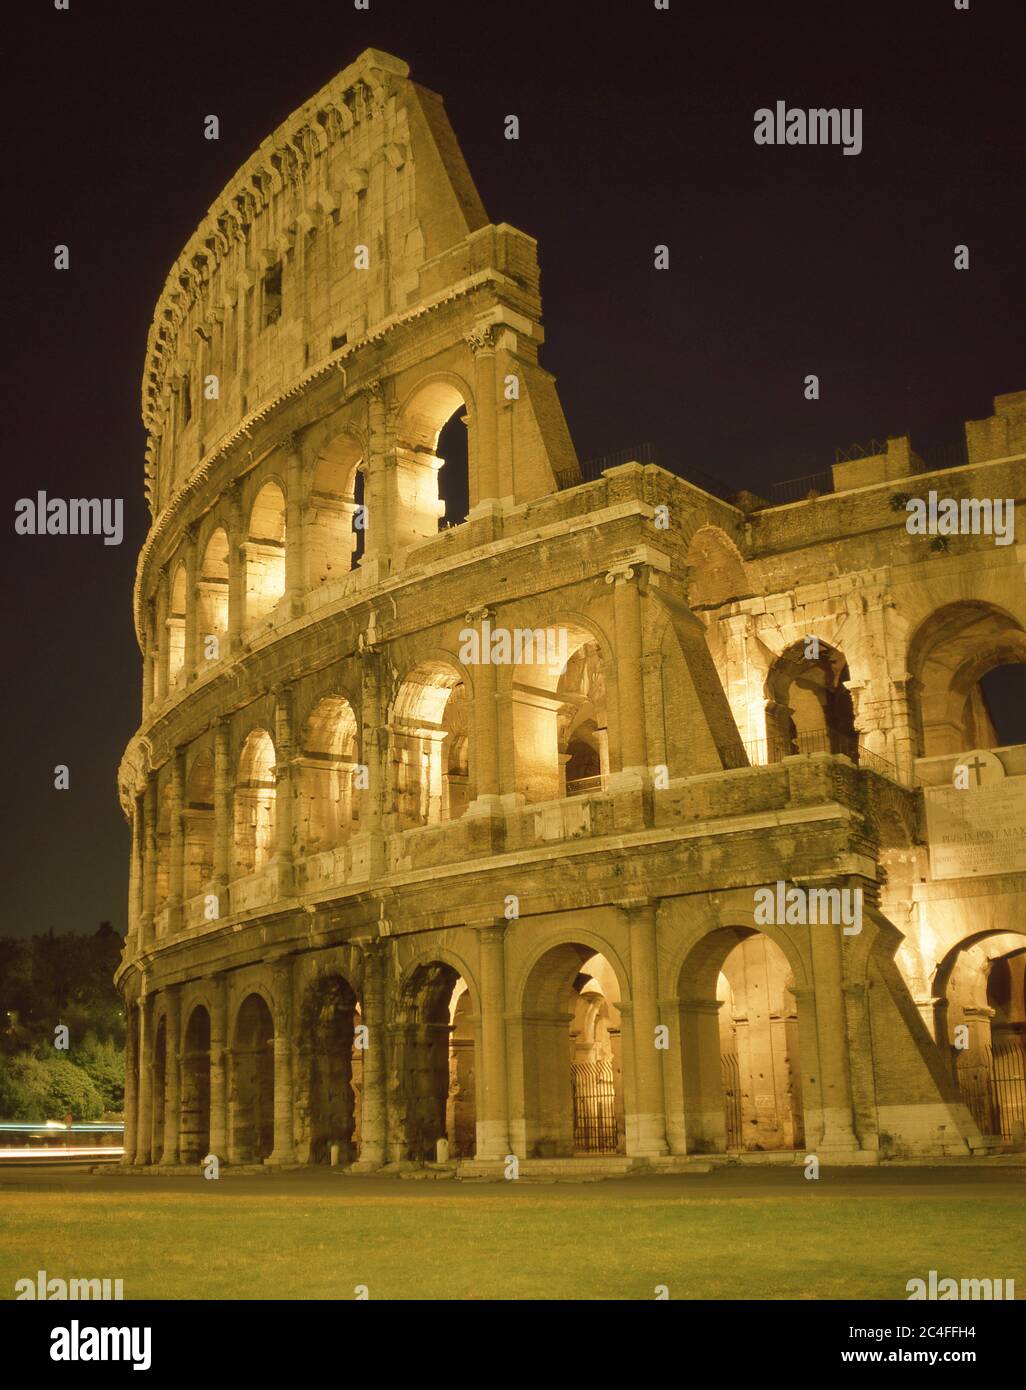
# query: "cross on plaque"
977 766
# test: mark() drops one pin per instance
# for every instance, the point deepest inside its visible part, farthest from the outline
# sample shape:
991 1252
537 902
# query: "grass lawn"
528 1243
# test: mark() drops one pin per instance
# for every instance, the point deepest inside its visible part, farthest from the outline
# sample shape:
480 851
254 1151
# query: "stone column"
284 1149
218 1064
144 1133
374 752
485 487
649 1116
161 643
485 725
236 568
172 1075
176 866
629 681
492 1094
149 865
283 796
377 538
135 876
373 1115
223 826
832 1039
131 1086
147 660
295 548
189 664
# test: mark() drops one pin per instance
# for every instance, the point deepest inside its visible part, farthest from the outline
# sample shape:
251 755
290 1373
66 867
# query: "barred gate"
994 1090
730 1074
595 1128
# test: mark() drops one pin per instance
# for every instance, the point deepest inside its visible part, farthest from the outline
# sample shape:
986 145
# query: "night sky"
636 128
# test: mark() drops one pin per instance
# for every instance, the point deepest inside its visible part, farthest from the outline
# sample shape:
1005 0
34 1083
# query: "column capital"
483 339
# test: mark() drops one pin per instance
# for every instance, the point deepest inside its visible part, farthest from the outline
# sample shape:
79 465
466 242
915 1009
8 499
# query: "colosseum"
507 816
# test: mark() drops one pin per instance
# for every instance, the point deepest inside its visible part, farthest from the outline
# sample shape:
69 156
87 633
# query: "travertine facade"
386 893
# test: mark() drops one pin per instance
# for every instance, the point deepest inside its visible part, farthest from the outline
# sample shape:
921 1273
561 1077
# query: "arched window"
432 463
176 628
212 600
254 804
808 706
265 554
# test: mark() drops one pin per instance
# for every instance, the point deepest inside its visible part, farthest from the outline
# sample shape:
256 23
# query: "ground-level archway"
251 1105
329 1081
194 1133
434 1050
159 1091
739 1045
573 1060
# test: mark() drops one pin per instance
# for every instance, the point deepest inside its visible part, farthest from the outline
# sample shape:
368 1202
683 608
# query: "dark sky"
636 129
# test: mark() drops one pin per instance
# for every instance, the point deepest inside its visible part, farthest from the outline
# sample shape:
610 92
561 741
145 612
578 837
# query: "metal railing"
763 751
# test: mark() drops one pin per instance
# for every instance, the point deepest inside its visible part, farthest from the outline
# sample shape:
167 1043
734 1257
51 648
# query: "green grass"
550 1243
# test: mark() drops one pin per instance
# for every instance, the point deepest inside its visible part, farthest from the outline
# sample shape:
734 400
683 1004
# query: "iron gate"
595 1128
994 1090
730 1074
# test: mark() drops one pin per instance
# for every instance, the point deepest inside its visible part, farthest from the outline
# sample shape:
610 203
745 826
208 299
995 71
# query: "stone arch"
738 1002
429 744
328 801
716 572
178 598
949 654
331 543
198 815
427 408
979 993
194 1134
573 1083
433 1062
163 827
251 1096
255 791
330 1071
560 708
264 551
212 598
809 708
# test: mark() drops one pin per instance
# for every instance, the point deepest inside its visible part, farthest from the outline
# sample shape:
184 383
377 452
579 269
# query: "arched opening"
432 463
560 713
254 804
573 1057
159 1091
265 554
981 984
968 663
333 543
199 825
328 800
739 1045
430 746
808 706
252 1092
194 1135
330 1079
212 600
176 627
434 1066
